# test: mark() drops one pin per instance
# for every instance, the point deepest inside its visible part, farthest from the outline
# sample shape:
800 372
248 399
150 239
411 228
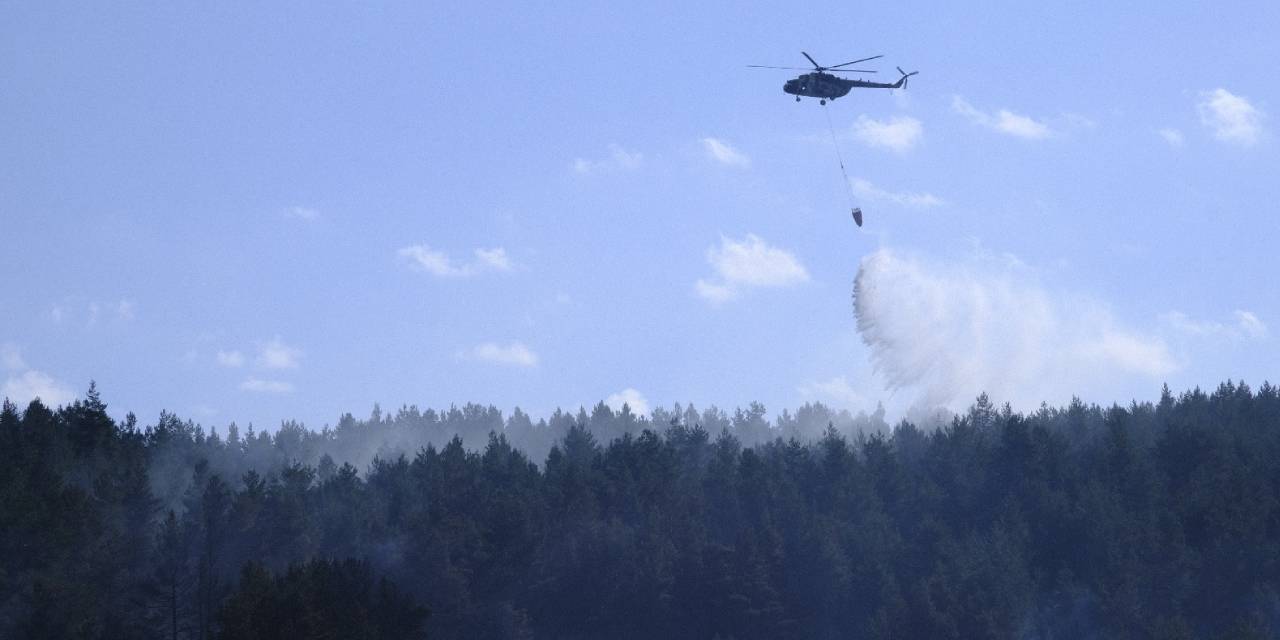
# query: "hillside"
1152 520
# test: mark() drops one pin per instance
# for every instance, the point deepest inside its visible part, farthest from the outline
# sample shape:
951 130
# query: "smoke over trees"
1151 520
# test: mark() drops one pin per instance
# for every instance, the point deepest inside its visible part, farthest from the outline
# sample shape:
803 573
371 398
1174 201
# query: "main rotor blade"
857 61
764 66
815 62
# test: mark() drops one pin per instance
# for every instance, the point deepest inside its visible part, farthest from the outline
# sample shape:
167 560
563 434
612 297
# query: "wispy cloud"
715 293
1246 325
275 354
618 159
748 263
495 259
436 263
91 312
722 152
1232 118
302 213
513 354
864 189
899 134
950 330
1173 137
1250 324
1003 121
258 385
423 258
231 358
630 397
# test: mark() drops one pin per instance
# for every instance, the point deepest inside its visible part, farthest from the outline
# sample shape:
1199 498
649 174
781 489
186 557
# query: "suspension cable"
836 144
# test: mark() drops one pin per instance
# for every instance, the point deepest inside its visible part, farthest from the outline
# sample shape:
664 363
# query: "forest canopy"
1152 520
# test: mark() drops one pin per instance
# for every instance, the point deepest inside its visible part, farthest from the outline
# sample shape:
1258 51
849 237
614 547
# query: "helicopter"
823 85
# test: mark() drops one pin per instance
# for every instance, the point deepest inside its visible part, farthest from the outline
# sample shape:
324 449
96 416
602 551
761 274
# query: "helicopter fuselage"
826 86
819 85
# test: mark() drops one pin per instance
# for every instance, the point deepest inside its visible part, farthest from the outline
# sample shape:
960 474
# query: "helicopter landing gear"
797 98
822 102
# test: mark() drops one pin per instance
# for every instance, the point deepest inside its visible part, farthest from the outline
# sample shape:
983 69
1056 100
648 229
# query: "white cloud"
1180 322
721 152
1173 137
752 262
864 189
23 384
749 263
625 159
618 159
837 391
22 388
952 330
714 293
1128 352
437 263
630 397
1020 126
1250 325
514 354
899 133
231 358
258 385
1247 325
11 357
1231 117
495 258
91 312
1004 121
278 355
302 213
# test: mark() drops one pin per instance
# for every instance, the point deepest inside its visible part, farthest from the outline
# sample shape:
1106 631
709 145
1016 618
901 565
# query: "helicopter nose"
789 87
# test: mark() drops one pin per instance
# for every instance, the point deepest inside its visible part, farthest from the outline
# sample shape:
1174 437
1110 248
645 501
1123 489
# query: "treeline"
1148 521
177 445
408 430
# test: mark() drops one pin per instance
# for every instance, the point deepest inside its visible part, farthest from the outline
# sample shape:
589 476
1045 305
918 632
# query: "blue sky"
255 213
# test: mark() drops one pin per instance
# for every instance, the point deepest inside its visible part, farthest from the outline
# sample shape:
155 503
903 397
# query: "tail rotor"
905 76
